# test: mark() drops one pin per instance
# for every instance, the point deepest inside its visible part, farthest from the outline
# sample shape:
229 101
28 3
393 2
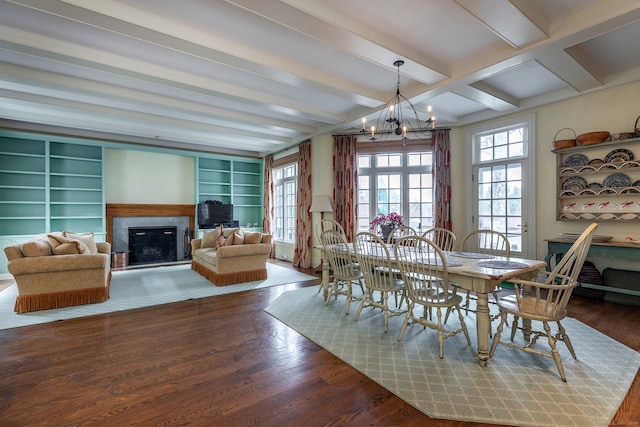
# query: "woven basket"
592 137
559 144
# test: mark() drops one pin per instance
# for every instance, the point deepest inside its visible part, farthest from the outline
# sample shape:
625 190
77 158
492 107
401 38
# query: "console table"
618 250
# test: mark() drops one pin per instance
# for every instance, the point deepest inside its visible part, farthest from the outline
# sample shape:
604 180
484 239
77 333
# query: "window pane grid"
285 202
407 189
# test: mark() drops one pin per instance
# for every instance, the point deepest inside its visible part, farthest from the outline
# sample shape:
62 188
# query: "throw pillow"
228 232
238 237
230 239
210 238
36 248
220 242
59 239
252 237
86 238
69 248
53 239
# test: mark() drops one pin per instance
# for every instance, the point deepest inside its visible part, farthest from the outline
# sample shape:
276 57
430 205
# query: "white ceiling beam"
506 20
29 80
590 22
488 96
573 68
99 60
350 35
256 61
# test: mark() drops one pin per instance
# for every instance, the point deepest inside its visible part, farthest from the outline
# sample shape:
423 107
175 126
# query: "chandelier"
399 117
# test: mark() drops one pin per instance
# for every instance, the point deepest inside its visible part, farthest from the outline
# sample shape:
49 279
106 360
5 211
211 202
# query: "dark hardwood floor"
219 361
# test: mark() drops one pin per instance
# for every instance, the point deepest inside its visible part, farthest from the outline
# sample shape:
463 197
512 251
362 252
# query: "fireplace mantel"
128 210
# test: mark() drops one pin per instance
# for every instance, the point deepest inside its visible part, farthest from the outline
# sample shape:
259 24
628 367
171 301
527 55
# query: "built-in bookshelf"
233 181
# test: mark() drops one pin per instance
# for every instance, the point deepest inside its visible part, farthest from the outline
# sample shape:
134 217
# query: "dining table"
477 272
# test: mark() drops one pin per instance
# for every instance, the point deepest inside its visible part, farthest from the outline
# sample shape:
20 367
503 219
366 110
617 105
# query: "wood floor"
219 361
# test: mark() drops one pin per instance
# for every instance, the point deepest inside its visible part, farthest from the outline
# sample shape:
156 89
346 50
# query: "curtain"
442 180
302 249
345 172
268 212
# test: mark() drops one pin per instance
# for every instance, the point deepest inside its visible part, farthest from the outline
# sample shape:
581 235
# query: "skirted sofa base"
231 278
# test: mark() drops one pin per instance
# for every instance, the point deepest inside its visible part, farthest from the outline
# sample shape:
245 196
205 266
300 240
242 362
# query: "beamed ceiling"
253 77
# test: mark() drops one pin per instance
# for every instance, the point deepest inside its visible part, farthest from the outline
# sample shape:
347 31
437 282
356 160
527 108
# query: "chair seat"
544 310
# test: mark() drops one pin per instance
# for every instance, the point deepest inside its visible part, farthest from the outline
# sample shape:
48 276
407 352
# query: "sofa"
226 256
59 270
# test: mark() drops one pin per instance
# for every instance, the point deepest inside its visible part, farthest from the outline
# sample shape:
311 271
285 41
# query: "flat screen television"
211 215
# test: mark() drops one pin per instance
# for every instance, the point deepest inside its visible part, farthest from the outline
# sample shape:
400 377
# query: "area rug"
516 388
143 288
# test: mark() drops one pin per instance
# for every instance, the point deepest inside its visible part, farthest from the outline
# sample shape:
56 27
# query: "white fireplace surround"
121 226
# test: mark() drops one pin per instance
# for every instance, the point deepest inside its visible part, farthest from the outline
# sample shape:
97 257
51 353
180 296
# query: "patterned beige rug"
515 389
143 288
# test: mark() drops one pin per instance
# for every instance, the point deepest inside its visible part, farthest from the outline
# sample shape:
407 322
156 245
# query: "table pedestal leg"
482 324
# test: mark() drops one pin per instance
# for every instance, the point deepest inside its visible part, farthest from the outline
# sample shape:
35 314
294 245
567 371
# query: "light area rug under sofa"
515 389
143 288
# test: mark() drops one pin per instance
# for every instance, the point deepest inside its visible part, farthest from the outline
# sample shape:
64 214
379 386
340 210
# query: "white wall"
144 177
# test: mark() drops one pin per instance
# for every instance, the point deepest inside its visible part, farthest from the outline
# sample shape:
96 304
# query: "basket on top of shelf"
564 143
592 137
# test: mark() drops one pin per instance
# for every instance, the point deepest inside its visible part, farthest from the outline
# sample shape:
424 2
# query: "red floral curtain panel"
442 180
267 191
345 193
302 250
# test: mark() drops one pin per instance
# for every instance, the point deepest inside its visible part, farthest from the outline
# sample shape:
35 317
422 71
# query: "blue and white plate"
618 156
575 160
617 180
574 183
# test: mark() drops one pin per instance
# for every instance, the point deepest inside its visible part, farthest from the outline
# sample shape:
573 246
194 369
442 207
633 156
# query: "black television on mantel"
211 215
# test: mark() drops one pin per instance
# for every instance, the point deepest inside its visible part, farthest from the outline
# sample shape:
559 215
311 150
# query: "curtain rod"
388 132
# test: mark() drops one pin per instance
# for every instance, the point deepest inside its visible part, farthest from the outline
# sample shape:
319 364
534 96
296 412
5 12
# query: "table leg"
325 278
482 324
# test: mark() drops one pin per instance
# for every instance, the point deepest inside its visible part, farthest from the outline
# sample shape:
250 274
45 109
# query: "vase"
386 230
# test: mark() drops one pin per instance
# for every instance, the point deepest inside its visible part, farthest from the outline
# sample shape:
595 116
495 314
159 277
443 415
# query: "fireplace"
148 245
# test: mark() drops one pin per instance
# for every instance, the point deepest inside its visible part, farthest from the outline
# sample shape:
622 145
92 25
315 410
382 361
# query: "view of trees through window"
284 202
396 182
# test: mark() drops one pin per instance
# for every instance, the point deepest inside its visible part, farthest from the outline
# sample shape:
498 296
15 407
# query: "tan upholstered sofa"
59 270
231 255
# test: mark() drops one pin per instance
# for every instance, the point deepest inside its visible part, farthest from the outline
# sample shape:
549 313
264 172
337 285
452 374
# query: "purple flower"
392 219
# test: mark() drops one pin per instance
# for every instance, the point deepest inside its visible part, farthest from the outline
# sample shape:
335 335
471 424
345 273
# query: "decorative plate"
594 185
575 160
574 183
596 238
505 265
636 183
619 155
617 180
596 162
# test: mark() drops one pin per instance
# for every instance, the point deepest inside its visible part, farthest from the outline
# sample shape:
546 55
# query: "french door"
503 184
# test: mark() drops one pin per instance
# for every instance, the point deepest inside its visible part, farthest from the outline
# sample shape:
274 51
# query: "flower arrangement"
392 219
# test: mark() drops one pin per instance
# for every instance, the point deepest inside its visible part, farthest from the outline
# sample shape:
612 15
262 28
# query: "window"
284 201
396 182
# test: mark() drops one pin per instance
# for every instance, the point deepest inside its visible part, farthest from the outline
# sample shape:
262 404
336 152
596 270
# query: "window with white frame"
399 182
284 202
